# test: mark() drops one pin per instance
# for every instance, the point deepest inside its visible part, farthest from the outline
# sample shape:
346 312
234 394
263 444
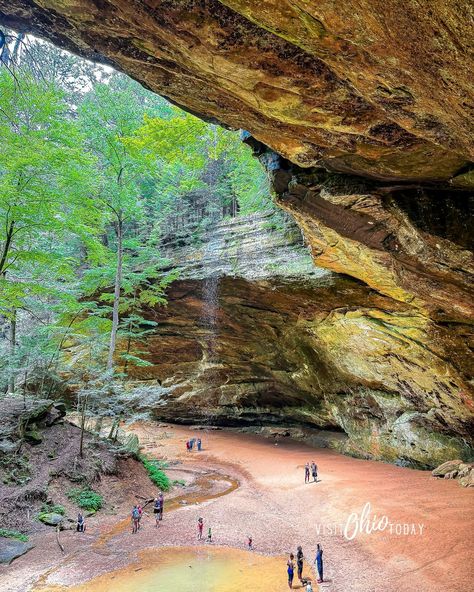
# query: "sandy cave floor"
248 485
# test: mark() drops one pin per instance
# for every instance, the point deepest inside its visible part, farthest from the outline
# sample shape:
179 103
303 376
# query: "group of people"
194 442
310 470
299 566
137 512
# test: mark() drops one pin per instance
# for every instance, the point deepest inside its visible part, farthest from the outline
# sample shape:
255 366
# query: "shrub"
52 508
155 472
13 534
86 498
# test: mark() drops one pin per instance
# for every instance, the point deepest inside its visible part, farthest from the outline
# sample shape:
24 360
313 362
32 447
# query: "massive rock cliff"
254 334
362 112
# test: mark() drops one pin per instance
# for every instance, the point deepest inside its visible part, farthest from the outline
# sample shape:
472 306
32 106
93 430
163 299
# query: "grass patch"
13 534
154 468
86 498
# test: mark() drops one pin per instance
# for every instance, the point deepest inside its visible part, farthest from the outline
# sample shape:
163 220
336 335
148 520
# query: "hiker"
319 563
209 535
162 505
250 543
81 524
140 512
200 527
299 563
156 510
135 519
314 471
306 473
290 568
199 445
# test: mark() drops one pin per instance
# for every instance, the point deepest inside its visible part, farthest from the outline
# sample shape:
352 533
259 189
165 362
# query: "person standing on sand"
156 510
319 563
140 513
199 445
314 471
250 543
306 473
188 446
290 569
161 499
200 527
209 535
135 519
299 563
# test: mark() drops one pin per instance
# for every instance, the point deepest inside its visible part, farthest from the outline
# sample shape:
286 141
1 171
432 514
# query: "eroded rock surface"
378 88
308 347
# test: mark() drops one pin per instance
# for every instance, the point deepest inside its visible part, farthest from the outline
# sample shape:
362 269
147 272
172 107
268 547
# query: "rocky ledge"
244 346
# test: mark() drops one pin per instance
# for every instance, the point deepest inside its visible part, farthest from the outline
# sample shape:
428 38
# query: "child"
250 543
135 519
209 535
200 527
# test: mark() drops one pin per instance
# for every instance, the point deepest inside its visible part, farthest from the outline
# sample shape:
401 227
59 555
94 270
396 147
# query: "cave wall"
295 345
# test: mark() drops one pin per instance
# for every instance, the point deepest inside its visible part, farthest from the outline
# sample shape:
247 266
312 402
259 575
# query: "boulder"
447 468
50 518
10 549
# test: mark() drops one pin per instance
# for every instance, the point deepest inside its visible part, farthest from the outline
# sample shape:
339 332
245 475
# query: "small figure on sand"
290 569
192 442
319 563
314 471
199 444
299 563
157 510
161 499
140 513
250 543
200 527
306 473
209 535
81 523
135 519
188 445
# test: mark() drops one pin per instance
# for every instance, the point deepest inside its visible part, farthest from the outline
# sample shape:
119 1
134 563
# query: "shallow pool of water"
191 569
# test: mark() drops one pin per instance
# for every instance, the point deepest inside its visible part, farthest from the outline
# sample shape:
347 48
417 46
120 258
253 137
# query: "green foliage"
15 469
156 473
48 508
96 173
13 534
86 498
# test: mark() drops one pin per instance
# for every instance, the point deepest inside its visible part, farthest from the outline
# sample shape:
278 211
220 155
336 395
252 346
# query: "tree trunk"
118 285
83 426
11 379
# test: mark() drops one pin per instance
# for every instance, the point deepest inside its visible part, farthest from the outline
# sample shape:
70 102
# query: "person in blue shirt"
319 563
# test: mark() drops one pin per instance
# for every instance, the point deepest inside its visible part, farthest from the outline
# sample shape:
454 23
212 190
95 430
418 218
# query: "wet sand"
280 511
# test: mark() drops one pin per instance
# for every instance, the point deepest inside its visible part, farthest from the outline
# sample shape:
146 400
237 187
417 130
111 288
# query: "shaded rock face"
366 109
307 347
376 88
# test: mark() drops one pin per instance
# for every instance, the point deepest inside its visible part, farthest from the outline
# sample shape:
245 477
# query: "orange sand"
280 511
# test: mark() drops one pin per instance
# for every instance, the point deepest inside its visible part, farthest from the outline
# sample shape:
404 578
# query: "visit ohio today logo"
367 523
